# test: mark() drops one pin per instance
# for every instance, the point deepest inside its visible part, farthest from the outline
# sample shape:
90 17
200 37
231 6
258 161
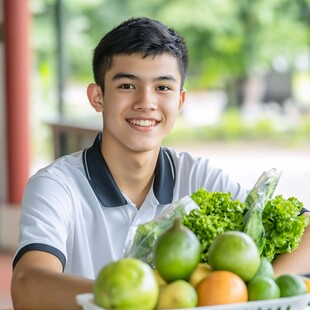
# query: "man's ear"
95 97
182 98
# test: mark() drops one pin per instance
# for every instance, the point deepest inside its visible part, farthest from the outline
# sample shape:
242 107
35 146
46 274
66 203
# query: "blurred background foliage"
229 43
228 40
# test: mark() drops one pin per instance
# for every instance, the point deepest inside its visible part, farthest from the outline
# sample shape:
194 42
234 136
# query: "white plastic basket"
289 303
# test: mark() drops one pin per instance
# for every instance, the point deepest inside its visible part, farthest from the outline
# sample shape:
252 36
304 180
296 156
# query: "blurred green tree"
228 40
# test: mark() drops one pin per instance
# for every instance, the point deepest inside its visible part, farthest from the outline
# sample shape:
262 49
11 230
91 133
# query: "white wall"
3 168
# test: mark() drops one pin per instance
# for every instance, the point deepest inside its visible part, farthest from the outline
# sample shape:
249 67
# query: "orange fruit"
177 253
262 288
235 251
307 282
221 287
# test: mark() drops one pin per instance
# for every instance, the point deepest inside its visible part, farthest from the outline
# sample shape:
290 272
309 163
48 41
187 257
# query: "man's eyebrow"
166 78
123 75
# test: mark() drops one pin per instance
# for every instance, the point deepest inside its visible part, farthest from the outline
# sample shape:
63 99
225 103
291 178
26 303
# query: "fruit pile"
235 273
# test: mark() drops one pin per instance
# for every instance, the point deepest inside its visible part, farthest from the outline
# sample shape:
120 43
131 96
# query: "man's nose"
145 99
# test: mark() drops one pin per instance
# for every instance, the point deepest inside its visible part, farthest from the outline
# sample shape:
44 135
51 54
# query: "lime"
263 287
265 269
235 251
291 285
177 253
177 294
126 284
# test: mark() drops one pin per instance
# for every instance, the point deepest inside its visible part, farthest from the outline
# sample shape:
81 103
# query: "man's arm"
39 283
298 261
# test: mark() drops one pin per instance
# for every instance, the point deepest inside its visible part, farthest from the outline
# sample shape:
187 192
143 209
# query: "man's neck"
132 171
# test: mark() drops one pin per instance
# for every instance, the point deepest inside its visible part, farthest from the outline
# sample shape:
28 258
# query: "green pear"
177 294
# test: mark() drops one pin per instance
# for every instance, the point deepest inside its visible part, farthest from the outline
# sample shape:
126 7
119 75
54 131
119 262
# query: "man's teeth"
143 123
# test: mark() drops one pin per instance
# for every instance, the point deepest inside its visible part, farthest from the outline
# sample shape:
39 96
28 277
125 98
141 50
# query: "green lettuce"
209 214
284 226
217 213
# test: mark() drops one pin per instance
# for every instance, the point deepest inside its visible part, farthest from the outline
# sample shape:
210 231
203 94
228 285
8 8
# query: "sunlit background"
249 75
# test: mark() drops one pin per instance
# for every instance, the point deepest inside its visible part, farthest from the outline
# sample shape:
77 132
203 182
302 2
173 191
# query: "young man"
77 211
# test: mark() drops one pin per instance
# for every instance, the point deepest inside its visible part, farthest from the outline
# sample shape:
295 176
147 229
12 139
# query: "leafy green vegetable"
284 226
217 213
214 213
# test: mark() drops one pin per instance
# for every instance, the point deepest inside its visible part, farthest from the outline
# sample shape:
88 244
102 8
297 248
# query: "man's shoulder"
194 172
65 174
68 164
183 157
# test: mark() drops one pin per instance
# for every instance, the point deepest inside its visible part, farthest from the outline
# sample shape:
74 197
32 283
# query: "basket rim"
86 299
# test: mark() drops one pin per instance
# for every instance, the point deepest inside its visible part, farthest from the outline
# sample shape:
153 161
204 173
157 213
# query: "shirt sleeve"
44 223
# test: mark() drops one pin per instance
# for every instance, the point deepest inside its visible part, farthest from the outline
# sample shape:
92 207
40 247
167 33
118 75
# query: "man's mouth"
142 122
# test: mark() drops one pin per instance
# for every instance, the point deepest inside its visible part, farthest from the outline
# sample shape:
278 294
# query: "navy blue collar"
105 187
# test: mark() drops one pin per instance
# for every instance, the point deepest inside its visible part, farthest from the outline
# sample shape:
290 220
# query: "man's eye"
126 86
163 88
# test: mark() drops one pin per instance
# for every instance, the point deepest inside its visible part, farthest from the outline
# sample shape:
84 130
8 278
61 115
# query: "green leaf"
284 226
217 213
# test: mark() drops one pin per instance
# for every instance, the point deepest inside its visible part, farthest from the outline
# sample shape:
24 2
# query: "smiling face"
141 100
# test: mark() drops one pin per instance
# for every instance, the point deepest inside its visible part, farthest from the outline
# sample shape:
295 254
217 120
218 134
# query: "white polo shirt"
74 209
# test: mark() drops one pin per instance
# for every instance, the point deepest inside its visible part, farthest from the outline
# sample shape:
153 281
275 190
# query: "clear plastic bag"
141 239
256 201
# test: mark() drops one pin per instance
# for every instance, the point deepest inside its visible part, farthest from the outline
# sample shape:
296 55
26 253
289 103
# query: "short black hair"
147 36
